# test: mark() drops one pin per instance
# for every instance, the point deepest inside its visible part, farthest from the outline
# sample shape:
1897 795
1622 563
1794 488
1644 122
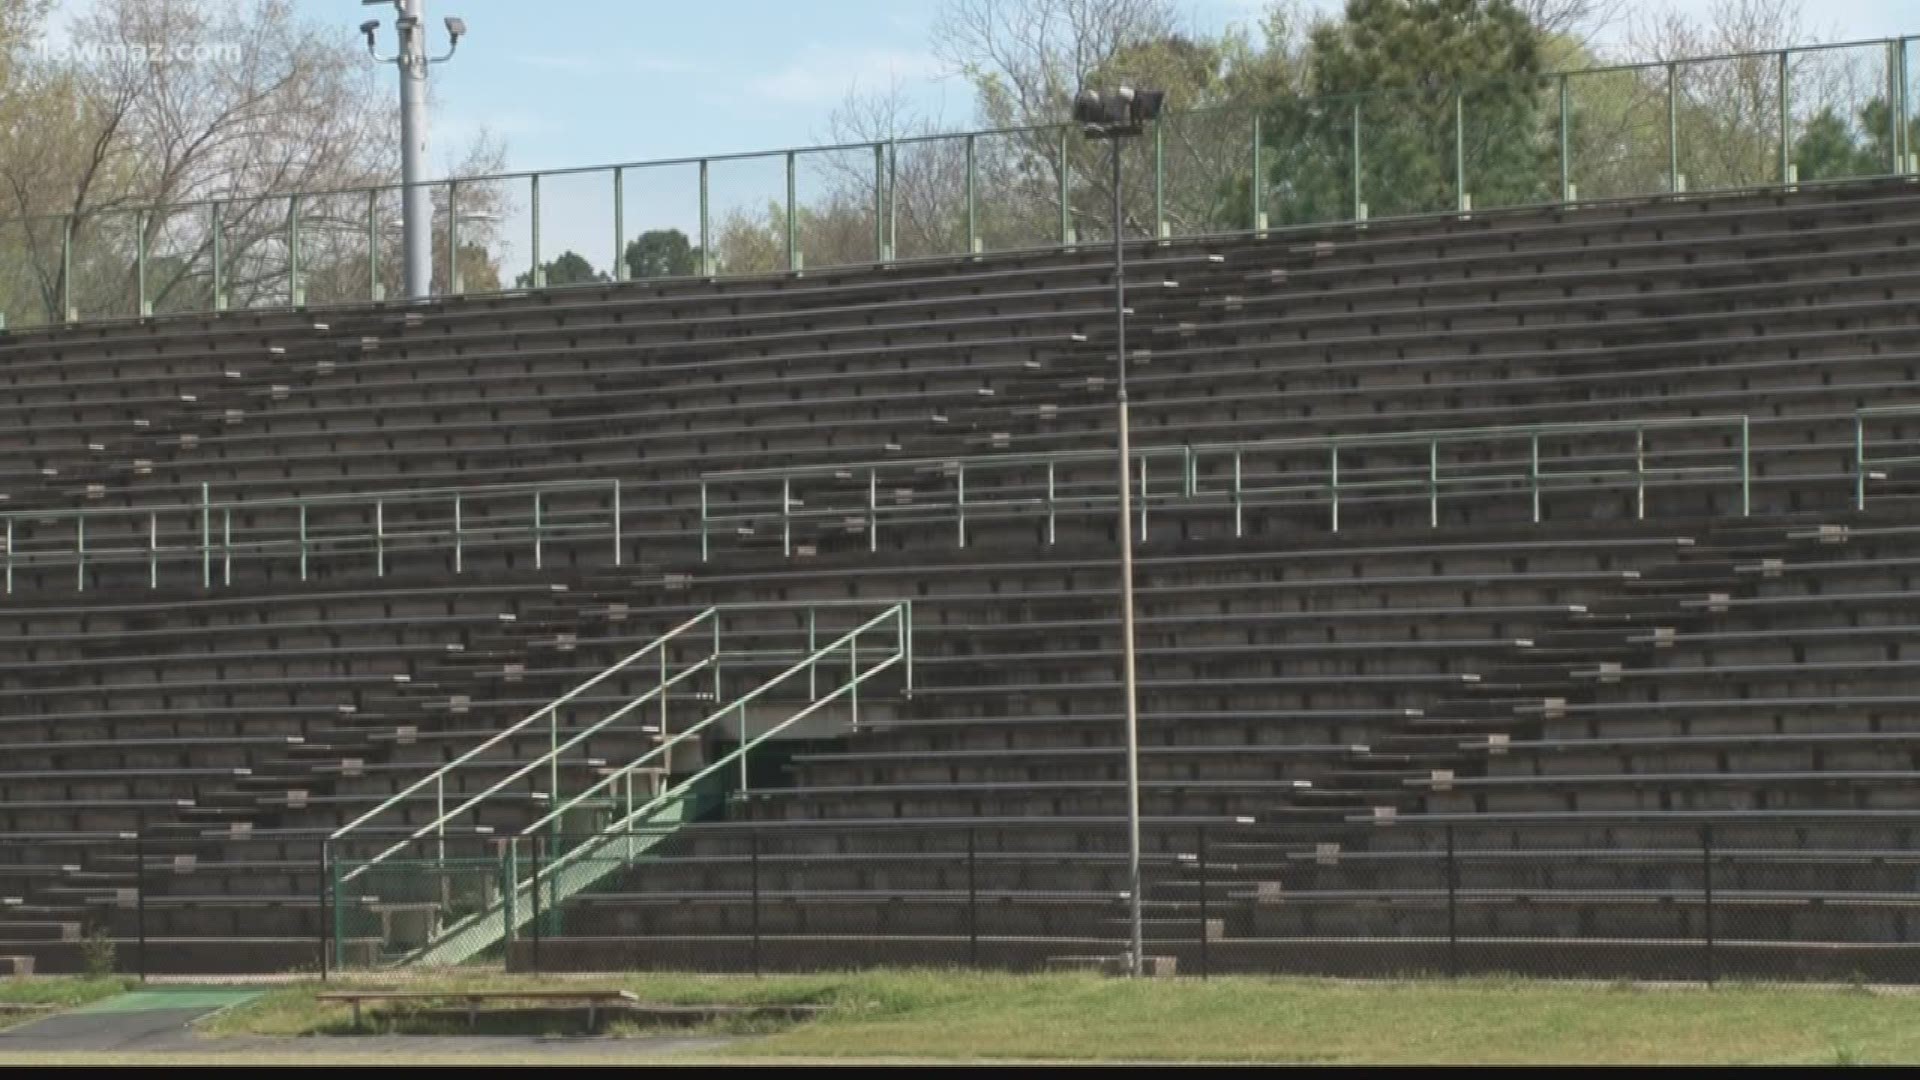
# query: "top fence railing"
1741 121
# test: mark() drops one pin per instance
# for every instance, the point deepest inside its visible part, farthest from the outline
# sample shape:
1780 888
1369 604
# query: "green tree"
570 268
1419 77
661 253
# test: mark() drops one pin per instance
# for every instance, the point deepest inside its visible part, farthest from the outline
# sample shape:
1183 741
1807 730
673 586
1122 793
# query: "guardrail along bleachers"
1444 521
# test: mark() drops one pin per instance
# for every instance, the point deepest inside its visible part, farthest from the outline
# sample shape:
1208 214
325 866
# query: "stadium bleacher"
1545 538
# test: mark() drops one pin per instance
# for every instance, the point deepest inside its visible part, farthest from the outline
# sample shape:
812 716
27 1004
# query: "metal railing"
1703 123
701 630
303 529
1868 466
1316 471
674 800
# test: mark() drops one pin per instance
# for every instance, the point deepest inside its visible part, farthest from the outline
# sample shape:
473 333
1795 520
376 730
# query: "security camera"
456 27
368 28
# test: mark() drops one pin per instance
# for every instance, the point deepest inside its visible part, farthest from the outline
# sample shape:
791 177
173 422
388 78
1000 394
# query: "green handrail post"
893 200
1786 121
873 510
1566 143
1333 481
1746 466
459 540
303 541
140 264
973 220
793 234
619 224
1673 127
1859 466
960 480
706 220
206 537
1053 530
153 550
1533 474
538 278
539 561
380 538
80 553
1239 499
1640 473
619 548
1433 483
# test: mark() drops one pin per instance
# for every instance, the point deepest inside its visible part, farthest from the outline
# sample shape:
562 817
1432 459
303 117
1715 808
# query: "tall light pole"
1115 115
416 207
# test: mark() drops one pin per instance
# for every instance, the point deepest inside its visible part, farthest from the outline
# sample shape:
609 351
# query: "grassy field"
58 991
965 1016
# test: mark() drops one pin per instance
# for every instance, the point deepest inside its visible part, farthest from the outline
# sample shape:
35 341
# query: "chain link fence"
1828 898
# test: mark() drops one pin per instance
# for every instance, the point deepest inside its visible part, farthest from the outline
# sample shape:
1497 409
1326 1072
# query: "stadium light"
412 60
1115 115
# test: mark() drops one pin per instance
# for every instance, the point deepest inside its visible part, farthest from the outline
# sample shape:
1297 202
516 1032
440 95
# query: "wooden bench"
594 998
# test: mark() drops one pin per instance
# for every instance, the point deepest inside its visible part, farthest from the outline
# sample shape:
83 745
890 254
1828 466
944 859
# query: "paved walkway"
159 1021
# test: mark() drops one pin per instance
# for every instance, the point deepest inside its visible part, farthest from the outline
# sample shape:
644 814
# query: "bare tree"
213 112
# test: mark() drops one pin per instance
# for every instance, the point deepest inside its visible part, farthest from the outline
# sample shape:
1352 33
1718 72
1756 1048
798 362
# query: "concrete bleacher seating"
234 684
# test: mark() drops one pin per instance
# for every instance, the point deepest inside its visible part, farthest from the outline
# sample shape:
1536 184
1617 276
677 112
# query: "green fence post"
1160 177
1859 466
1566 143
140 264
67 313
973 220
1895 117
332 872
1357 207
295 294
619 224
1459 151
509 886
1066 223
217 228
793 235
893 199
706 222
454 284
1786 122
373 245
1673 127
1254 186
879 203
533 207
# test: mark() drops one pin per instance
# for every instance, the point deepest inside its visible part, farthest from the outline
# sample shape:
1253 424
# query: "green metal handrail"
1433 481
217 543
1045 140
705 626
1187 462
581 866
1866 467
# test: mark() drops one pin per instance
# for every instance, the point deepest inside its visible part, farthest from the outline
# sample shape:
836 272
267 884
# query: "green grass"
959 1015
61 991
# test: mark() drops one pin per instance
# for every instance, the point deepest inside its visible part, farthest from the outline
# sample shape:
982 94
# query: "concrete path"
159 1022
